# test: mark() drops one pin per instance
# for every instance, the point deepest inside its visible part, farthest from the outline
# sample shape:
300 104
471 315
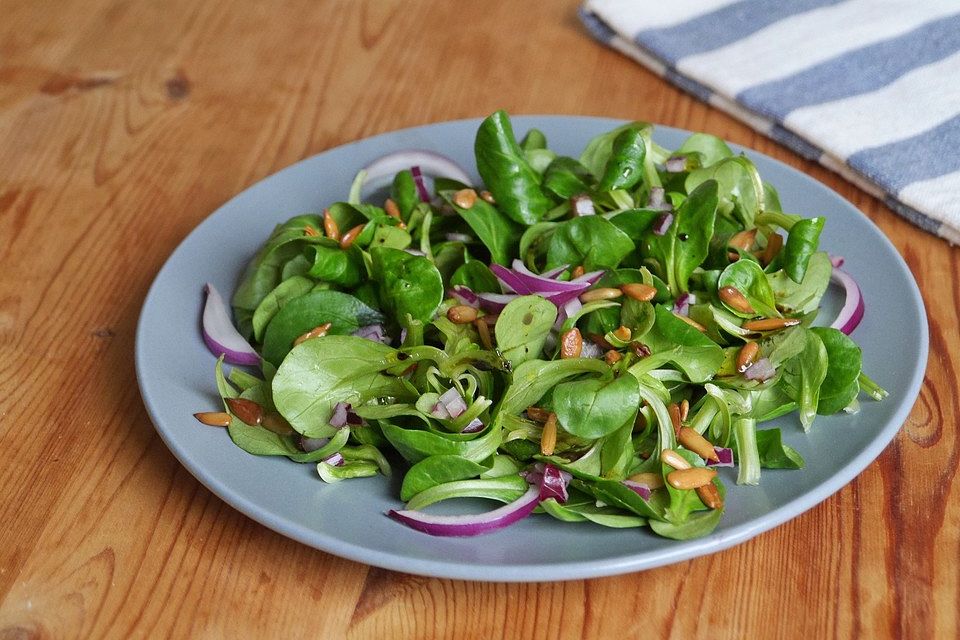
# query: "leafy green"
504 169
565 177
315 376
804 374
802 243
624 168
523 327
476 276
404 193
589 241
436 470
841 383
774 454
409 285
686 242
499 234
271 304
749 279
299 315
596 407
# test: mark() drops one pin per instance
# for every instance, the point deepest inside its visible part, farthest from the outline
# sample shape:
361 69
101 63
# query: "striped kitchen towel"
869 88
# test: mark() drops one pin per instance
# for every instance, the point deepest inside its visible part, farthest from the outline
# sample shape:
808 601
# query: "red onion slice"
553 273
521 280
429 162
639 488
495 302
836 261
553 483
219 334
465 295
853 307
470 525
725 456
567 311
422 190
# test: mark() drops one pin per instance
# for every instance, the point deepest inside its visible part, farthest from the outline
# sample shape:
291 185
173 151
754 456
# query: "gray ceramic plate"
175 372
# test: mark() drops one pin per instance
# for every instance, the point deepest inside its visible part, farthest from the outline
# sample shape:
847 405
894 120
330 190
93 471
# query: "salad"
591 338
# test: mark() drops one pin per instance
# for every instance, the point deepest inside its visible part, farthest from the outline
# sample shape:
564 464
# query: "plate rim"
561 570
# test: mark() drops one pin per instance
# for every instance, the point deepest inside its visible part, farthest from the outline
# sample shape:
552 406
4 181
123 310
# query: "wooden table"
124 123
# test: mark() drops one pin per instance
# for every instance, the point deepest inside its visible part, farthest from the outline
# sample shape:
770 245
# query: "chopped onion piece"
853 308
662 224
335 460
567 311
725 456
590 350
473 426
219 334
681 305
470 525
452 402
373 332
658 201
639 488
676 164
339 417
582 205
458 237
760 370
438 410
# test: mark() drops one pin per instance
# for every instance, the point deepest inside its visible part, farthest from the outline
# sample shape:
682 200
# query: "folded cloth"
869 88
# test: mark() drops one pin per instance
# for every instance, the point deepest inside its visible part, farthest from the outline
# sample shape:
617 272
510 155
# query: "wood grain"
123 123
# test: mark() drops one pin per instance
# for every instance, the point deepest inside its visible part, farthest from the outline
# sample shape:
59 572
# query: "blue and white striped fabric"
869 88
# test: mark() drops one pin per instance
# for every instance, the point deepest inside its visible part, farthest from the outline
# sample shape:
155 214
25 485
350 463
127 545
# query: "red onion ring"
853 307
422 190
429 162
470 525
219 334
